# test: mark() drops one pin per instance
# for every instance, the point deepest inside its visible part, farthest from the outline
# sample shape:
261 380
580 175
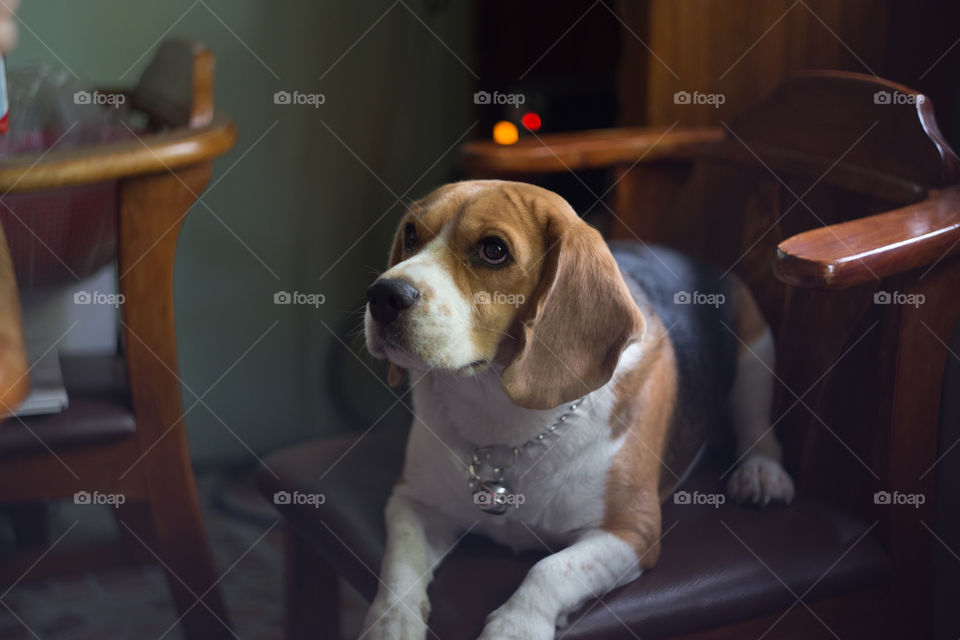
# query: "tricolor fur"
495 353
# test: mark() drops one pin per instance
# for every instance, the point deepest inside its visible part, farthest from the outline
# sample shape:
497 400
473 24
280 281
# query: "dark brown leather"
99 409
705 577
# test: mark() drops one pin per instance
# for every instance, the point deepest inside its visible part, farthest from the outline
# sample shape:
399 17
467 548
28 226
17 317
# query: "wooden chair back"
823 149
835 199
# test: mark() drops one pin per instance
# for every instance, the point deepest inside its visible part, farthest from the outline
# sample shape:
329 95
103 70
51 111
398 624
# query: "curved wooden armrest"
176 92
557 152
857 251
150 153
14 382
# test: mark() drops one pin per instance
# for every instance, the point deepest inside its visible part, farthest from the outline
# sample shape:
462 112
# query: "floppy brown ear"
582 319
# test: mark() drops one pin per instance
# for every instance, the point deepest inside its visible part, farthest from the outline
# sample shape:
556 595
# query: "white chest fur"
561 480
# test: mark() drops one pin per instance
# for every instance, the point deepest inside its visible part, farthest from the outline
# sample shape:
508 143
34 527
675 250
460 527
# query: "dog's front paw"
396 621
760 480
512 622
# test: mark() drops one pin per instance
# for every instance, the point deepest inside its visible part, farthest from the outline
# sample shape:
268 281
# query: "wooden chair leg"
172 528
151 211
915 382
313 593
135 526
186 556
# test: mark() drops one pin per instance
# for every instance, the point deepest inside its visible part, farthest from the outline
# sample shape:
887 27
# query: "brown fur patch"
646 397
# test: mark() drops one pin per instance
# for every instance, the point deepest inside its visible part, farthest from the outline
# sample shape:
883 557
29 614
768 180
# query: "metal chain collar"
492 495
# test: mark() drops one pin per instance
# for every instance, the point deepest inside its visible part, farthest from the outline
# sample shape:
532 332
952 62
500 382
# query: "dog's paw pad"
760 480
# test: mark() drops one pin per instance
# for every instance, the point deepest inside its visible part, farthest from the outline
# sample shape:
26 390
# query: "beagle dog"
560 388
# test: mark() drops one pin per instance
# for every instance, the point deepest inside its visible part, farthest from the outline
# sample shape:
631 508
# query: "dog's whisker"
490 329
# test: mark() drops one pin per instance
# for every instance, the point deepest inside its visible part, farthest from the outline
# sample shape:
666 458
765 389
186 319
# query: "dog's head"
490 273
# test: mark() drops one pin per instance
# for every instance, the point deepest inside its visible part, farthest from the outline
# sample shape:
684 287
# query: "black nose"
388 297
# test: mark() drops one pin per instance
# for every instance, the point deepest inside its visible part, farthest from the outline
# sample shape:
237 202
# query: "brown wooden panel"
738 49
852 120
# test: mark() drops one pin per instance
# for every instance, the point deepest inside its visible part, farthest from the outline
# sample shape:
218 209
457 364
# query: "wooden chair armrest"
854 252
14 382
176 93
600 148
150 153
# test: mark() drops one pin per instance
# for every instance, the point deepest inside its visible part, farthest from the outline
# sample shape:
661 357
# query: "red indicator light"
531 121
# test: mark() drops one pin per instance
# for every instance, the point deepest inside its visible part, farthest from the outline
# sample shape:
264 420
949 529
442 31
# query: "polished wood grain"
860 251
585 150
150 153
908 421
14 381
738 49
850 119
152 208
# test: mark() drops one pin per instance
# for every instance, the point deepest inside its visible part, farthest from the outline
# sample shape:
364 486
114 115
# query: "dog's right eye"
409 238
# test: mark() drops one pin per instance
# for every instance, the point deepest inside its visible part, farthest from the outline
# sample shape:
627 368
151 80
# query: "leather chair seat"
99 409
717 564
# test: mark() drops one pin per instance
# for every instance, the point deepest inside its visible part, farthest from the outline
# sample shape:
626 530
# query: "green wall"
292 199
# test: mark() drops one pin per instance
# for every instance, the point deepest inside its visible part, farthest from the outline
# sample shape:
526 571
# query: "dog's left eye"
409 238
493 250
